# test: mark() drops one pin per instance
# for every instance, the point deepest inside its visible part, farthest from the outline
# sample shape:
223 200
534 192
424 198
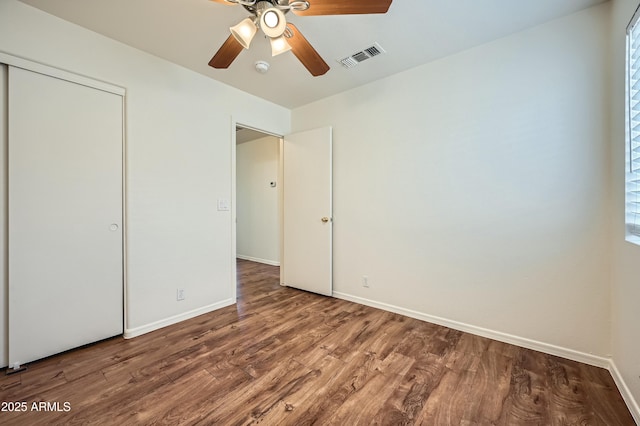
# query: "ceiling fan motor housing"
284 5
261 5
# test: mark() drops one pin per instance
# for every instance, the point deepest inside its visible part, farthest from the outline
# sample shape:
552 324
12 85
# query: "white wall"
475 188
479 194
178 136
258 226
626 258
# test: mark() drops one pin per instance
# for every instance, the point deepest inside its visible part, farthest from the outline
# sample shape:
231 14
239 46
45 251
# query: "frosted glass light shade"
272 22
244 32
271 19
279 45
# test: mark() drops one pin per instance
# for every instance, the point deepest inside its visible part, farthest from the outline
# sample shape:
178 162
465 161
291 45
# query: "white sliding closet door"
65 215
3 217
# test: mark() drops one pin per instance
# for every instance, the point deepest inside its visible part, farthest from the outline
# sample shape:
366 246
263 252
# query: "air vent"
363 55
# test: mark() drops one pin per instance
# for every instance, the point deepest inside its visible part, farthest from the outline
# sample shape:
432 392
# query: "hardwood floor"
283 356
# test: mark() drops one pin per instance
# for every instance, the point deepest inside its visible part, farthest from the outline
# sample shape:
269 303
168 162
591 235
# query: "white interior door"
307 218
65 215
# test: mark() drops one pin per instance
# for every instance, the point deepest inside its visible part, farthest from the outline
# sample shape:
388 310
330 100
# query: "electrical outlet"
180 294
365 281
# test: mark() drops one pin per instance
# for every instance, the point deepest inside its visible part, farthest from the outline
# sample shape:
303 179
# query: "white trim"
625 391
19 62
234 213
256 259
560 351
125 217
138 331
281 205
632 238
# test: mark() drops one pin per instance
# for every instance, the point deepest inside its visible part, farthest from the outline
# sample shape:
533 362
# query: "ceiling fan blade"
229 51
303 50
344 7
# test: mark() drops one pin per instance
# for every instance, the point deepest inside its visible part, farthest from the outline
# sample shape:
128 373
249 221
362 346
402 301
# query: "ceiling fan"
269 16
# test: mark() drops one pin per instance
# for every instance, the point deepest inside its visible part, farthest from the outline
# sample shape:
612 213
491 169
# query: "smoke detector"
262 67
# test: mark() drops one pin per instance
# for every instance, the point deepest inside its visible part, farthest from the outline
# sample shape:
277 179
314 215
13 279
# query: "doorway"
305 219
258 196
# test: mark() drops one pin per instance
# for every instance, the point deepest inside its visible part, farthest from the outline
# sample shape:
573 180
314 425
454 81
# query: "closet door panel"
65 215
3 217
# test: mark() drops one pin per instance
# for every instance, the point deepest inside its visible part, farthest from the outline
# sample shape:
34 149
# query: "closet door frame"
19 62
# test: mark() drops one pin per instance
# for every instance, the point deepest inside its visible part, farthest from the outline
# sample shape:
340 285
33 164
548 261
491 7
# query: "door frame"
280 185
44 69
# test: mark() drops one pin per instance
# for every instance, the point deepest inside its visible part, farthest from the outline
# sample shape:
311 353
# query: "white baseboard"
560 351
138 331
632 404
257 259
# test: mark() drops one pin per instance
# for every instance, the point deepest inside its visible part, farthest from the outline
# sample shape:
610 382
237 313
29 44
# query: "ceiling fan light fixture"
269 16
273 22
271 19
279 45
244 32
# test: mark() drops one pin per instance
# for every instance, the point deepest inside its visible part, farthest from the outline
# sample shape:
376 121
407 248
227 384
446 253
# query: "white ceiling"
247 135
413 32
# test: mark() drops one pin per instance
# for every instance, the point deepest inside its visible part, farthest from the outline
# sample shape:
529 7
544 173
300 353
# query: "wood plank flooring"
283 356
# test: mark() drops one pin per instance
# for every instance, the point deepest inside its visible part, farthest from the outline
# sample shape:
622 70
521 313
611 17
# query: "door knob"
325 219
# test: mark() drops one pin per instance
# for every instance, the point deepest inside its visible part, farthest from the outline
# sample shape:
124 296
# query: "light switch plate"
223 205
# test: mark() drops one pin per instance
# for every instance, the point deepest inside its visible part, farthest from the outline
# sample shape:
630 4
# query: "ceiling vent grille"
363 55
